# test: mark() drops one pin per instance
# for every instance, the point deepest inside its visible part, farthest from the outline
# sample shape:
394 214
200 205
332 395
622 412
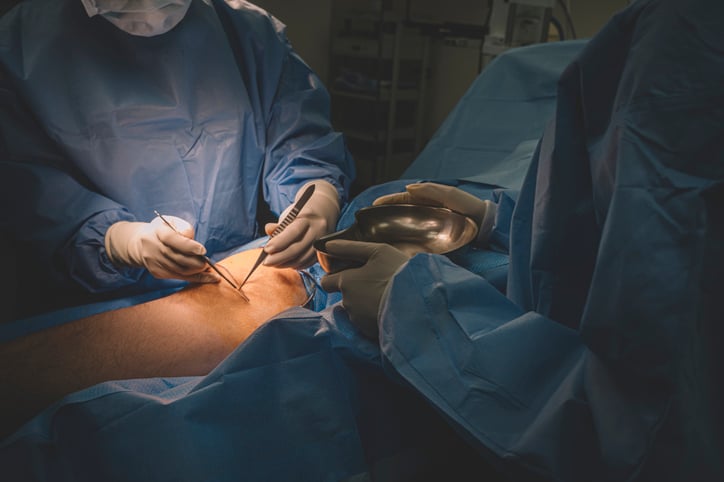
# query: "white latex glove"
362 288
431 194
292 248
164 252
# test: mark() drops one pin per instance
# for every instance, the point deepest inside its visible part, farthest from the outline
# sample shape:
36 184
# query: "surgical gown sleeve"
301 144
65 244
193 123
600 363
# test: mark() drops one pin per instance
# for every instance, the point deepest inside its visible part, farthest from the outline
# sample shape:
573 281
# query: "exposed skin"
186 333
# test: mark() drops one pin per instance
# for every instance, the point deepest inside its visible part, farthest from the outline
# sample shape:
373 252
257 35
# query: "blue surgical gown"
98 126
601 362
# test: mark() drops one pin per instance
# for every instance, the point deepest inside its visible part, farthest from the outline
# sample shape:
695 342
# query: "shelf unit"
378 70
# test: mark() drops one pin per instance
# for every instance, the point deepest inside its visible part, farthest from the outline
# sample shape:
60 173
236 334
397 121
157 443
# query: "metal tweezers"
205 258
285 222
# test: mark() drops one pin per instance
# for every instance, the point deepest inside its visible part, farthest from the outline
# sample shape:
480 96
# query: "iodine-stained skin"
183 334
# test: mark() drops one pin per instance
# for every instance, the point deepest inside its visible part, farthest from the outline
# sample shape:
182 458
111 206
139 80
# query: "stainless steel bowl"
410 228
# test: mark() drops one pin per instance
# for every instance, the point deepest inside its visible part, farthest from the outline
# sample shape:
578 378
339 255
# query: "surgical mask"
145 18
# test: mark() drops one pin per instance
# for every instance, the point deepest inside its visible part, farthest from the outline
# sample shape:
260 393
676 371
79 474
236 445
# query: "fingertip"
415 188
270 260
269 249
386 199
208 278
329 283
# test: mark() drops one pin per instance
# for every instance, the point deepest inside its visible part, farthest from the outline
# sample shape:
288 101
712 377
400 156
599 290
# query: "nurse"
199 109
600 360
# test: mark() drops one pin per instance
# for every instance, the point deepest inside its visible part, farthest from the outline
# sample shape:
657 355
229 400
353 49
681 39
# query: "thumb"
180 225
269 228
428 193
203 277
394 198
330 282
353 250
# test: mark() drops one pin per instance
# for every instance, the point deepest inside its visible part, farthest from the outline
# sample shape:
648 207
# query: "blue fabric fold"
203 122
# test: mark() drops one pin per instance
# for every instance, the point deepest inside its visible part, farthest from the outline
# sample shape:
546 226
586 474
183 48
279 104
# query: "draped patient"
186 333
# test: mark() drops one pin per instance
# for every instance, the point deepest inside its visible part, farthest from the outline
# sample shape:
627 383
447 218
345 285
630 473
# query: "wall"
454 62
590 15
307 24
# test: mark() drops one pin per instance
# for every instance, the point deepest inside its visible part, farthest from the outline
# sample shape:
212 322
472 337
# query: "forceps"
206 258
285 222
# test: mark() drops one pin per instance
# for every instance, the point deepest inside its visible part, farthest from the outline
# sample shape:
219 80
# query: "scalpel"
285 222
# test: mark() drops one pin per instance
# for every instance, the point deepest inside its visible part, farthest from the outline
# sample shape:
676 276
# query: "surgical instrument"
411 228
285 222
206 258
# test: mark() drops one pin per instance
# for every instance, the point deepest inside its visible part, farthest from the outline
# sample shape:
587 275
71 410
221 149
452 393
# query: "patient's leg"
185 333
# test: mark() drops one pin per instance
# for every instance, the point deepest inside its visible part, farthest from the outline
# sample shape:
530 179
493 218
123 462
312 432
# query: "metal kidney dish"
408 227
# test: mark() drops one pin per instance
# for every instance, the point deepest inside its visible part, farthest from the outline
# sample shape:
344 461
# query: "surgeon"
199 109
600 362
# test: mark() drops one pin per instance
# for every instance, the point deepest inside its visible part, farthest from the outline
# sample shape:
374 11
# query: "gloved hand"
431 194
164 252
362 288
292 248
